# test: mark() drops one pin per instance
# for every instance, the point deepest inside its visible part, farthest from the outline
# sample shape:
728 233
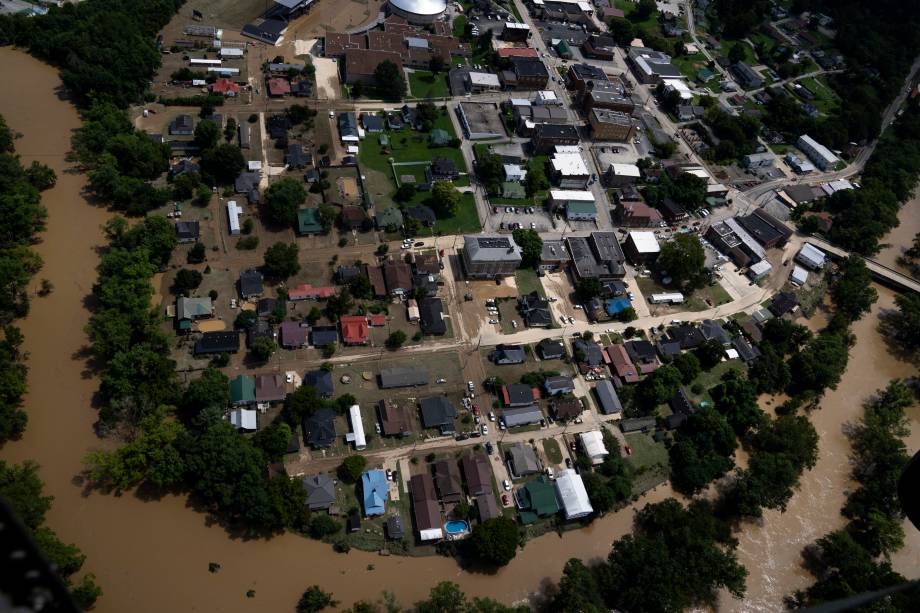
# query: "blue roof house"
375 489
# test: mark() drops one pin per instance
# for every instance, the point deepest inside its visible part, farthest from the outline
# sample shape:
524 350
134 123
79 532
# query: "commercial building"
479 82
546 137
569 171
515 32
526 73
768 230
417 11
597 256
480 120
759 271
580 76
817 153
565 199
599 46
490 256
651 66
758 160
641 247
610 125
621 174
637 215
360 64
610 94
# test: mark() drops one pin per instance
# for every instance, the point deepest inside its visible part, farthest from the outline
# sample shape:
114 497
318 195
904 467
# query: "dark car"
420 244
489 447
568 462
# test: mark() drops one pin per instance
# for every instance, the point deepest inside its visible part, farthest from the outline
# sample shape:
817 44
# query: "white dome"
420 7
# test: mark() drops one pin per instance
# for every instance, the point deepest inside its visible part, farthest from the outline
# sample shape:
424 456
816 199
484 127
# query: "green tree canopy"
207 134
683 259
282 199
262 348
351 468
390 81
852 292
495 541
445 199
223 163
281 261
531 246
314 599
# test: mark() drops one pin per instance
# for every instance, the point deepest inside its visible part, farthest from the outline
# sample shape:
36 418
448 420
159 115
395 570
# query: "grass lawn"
649 461
690 64
459 26
465 221
716 294
508 312
750 58
825 100
424 84
528 281
709 379
552 450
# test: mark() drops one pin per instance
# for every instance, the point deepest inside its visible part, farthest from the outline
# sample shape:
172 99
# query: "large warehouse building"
418 11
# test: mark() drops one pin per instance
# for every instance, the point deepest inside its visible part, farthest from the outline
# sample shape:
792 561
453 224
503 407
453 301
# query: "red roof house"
377 321
278 87
354 329
517 52
621 365
309 292
225 87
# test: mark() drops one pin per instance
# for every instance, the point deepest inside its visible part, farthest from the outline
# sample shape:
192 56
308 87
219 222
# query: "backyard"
701 299
425 84
649 461
527 281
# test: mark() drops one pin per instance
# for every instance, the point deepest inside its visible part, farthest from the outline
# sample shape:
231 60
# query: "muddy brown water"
153 556
900 239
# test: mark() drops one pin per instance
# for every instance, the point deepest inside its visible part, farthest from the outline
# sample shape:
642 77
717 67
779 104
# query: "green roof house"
439 137
537 499
308 222
389 216
243 390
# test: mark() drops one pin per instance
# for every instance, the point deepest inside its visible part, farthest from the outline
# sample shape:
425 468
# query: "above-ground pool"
456 527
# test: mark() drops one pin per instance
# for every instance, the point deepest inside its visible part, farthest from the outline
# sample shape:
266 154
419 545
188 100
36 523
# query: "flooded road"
771 551
153 556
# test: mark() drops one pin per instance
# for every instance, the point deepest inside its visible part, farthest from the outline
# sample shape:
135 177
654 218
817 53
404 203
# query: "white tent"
573 498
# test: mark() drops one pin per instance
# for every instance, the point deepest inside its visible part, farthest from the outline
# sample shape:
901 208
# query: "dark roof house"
438 412
321 381
319 428
508 354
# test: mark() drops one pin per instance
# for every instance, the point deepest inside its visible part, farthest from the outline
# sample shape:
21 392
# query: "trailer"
231 52
668 298
224 71
204 31
198 61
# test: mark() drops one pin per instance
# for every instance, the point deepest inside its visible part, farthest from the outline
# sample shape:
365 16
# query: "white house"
593 445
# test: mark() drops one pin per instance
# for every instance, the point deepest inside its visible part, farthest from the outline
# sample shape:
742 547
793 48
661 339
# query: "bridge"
881 273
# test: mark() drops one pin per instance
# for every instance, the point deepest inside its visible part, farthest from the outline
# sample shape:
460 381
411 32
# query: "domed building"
418 11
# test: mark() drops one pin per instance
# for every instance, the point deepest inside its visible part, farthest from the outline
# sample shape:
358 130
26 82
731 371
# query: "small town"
438 278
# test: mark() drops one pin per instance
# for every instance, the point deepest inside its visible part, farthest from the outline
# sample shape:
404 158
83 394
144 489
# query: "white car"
576 306
493 321
442 381
470 385
507 485
571 319
533 226
491 415
485 428
514 323
289 378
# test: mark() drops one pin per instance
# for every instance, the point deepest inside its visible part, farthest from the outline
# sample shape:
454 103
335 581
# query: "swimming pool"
456 527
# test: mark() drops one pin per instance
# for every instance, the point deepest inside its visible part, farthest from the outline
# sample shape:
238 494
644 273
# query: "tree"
820 364
536 180
281 261
360 286
211 389
903 325
223 163
437 64
314 599
197 254
656 388
245 319
22 489
303 402
282 199
87 592
273 440
489 169
445 199
390 81
682 259
495 541
709 353
186 280
622 31
396 339
644 10
578 590
688 365
405 192
351 468
769 373
587 288
322 525
531 246
852 292
736 400
262 348
702 451
206 134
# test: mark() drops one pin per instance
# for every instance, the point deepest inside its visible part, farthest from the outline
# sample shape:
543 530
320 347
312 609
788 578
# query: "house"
269 388
522 460
783 303
425 508
389 216
244 419
320 491
227 341
187 231
746 76
372 123
322 336
260 329
638 424
375 276
438 412
592 445
398 277
550 349
489 256
423 214
668 349
689 112
354 329
348 127
621 364
250 283
555 386
688 336
182 125
712 330
394 527
319 428
572 495
278 87
233 217
305 291
607 398
439 137
442 169
535 310
266 307
426 263
811 257
296 157
391 378
394 420
242 390
566 408
522 416
431 314
184 167
752 330
798 276
378 320
375 492
590 351
293 335
353 217
447 481
517 395
193 309
643 354
746 351
412 312
537 499
478 474
321 381
680 403
508 354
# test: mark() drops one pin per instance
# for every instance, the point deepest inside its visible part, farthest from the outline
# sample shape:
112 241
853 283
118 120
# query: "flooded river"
900 239
153 556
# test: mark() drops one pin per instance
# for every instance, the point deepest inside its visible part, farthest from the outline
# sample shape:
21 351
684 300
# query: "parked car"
505 500
485 428
491 415
507 485
490 448
568 462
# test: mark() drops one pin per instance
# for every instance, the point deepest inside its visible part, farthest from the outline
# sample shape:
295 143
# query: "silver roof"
421 7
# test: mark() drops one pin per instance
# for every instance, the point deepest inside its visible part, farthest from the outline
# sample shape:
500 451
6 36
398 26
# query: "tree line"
23 220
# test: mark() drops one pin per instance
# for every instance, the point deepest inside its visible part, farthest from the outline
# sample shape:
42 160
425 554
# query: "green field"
528 281
709 379
552 450
825 99
649 461
424 84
